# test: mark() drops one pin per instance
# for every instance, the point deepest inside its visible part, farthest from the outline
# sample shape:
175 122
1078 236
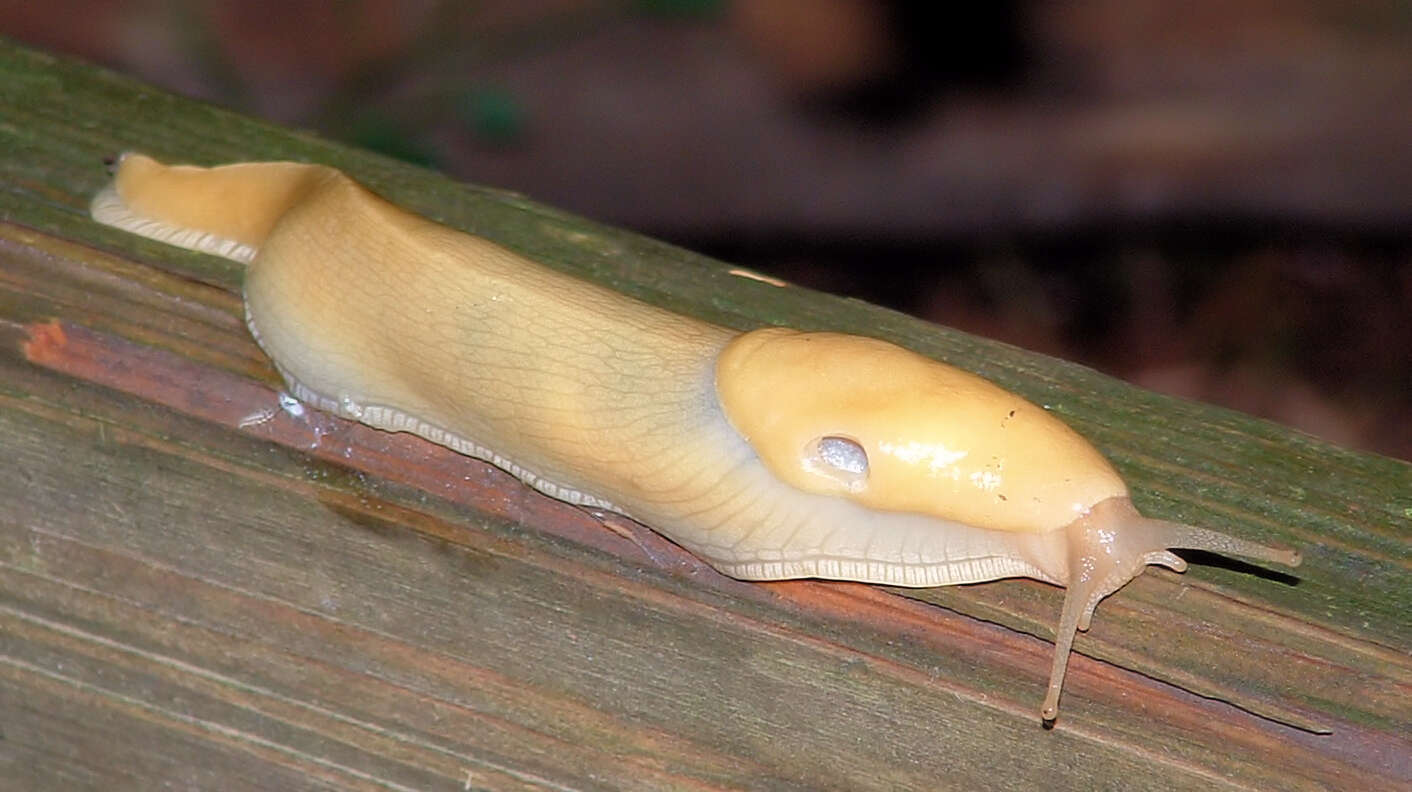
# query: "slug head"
1111 545
867 420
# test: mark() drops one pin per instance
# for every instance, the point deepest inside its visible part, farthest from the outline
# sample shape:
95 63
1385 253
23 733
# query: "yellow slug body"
939 440
770 454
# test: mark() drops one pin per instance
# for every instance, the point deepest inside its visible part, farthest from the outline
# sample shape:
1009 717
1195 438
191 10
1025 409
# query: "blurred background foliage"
1210 198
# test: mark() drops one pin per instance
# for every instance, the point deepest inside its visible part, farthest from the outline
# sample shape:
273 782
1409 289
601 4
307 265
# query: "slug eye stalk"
1113 544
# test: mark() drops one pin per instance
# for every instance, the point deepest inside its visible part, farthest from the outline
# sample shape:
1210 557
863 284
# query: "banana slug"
770 454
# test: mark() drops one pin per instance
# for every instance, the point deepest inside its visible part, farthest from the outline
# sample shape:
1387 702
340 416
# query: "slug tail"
225 211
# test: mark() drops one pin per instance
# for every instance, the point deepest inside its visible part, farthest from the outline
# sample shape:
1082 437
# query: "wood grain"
202 590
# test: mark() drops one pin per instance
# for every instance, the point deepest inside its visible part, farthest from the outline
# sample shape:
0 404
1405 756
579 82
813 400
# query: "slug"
770 454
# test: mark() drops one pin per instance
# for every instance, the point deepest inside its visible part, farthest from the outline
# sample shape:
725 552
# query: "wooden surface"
199 590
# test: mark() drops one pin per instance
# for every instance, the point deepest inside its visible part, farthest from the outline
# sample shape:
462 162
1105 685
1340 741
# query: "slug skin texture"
770 454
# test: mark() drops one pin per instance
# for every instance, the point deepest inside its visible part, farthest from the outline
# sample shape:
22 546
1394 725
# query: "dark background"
1209 198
